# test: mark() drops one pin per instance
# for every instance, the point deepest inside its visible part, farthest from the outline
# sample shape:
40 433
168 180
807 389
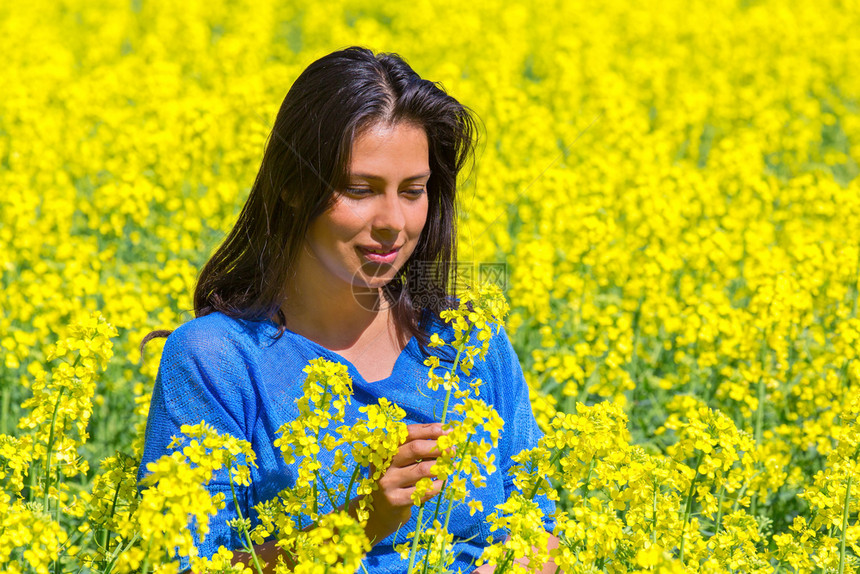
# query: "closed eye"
358 191
365 191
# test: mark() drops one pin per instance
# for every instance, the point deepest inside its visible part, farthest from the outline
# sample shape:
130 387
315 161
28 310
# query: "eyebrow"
377 178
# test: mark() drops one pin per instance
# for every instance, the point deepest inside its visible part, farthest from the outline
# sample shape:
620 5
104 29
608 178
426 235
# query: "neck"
337 316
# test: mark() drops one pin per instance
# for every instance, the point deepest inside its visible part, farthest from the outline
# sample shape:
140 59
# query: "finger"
407 477
423 431
415 451
435 489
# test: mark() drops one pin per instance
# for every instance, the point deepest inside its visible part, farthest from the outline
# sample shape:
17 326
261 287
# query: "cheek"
419 219
345 225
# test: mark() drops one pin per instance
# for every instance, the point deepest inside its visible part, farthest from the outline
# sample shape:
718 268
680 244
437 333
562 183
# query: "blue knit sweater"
237 376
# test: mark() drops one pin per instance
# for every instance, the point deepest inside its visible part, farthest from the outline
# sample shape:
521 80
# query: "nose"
389 218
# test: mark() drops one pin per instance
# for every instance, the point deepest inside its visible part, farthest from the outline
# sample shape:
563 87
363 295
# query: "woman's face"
367 236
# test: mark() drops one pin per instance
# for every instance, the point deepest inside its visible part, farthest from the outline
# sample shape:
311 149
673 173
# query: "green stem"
688 508
57 477
57 511
844 525
457 470
452 371
104 535
856 286
438 500
351 482
418 527
761 388
586 487
4 410
436 517
119 550
414 550
58 568
719 511
654 514
450 503
583 392
31 485
316 509
759 415
504 566
144 568
328 493
555 458
247 536
50 452
737 503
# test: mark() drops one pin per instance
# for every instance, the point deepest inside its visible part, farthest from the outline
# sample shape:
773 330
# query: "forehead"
390 150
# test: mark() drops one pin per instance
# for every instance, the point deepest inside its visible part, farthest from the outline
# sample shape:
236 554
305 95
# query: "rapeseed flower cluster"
35 464
62 401
148 529
465 459
336 546
522 520
326 384
307 519
110 506
162 516
822 540
30 538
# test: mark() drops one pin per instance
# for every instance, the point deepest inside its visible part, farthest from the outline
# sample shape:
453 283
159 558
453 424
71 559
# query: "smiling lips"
384 255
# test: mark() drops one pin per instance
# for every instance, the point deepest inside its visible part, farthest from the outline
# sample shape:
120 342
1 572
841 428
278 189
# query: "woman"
343 250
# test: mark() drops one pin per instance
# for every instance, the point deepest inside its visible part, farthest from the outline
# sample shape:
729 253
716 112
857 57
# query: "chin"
372 283
362 280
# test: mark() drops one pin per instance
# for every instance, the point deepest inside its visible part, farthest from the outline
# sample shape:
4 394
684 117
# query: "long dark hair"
306 161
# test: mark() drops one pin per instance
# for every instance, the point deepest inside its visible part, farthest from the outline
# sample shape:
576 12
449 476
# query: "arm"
202 376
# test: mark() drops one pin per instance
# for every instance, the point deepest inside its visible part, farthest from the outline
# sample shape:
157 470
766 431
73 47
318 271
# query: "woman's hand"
392 499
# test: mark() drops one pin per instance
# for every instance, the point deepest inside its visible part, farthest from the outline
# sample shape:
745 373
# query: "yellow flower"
475 506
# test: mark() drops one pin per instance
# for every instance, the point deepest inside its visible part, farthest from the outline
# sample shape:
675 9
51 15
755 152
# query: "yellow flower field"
670 192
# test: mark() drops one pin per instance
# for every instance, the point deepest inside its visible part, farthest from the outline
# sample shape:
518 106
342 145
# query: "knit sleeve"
203 376
510 397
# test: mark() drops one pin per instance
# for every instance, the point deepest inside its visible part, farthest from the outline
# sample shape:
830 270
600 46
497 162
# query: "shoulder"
207 373
218 330
217 337
214 359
